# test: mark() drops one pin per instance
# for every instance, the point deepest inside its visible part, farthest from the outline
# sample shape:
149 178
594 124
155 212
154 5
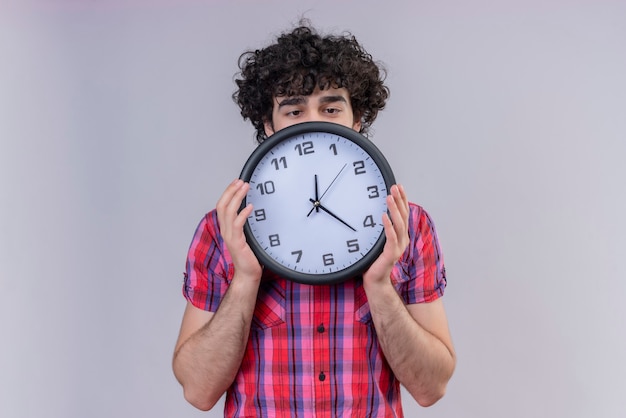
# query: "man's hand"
415 338
211 345
397 235
231 229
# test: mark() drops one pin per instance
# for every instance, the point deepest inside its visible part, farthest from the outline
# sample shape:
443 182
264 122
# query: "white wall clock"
319 192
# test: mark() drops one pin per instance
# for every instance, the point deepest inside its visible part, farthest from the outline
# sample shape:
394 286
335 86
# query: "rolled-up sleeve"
420 274
209 268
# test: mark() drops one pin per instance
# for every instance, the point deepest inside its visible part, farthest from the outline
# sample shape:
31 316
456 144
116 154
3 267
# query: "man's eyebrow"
297 100
291 101
333 99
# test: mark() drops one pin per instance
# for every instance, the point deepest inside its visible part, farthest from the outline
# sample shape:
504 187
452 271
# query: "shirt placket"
321 350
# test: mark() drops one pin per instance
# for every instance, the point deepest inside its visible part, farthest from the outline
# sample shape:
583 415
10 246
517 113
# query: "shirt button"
322 376
320 328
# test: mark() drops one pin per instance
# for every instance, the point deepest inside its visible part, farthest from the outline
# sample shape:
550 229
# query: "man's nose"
313 117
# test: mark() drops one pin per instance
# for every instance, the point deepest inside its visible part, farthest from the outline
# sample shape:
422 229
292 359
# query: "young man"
283 349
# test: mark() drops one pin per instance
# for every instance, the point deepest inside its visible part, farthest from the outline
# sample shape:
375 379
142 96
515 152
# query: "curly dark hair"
299 62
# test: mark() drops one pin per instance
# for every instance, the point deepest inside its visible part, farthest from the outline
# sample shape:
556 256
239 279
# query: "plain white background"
117 133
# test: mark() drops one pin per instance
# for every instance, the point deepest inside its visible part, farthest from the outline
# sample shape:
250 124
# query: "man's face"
329 105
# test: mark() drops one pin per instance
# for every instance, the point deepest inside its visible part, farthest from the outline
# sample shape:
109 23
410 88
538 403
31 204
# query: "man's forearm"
207 363
421 361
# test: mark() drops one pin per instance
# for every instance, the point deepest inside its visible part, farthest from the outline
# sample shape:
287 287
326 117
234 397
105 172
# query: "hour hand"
318 205
317 197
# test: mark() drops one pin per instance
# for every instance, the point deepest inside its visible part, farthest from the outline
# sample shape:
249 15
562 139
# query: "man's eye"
332 110
294 112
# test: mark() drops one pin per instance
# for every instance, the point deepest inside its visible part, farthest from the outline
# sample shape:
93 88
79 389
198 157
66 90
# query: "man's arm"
416 342
211 346
415 338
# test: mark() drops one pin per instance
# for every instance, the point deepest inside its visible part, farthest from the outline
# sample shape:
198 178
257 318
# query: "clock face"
319 192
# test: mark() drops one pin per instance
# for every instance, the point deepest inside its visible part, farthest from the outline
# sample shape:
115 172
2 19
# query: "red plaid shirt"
313 350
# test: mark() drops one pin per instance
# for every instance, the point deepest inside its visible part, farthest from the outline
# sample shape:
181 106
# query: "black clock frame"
356 269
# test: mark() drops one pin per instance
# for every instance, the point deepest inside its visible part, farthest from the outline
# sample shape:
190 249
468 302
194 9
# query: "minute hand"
319 205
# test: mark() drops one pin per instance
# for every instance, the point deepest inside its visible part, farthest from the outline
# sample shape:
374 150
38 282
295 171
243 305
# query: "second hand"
332 182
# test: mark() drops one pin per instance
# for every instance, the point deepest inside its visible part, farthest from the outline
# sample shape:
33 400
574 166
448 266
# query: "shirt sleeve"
420 274
208 268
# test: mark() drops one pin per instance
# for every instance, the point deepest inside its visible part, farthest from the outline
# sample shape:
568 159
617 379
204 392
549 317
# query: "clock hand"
332 182
316 193
317 204
316 207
